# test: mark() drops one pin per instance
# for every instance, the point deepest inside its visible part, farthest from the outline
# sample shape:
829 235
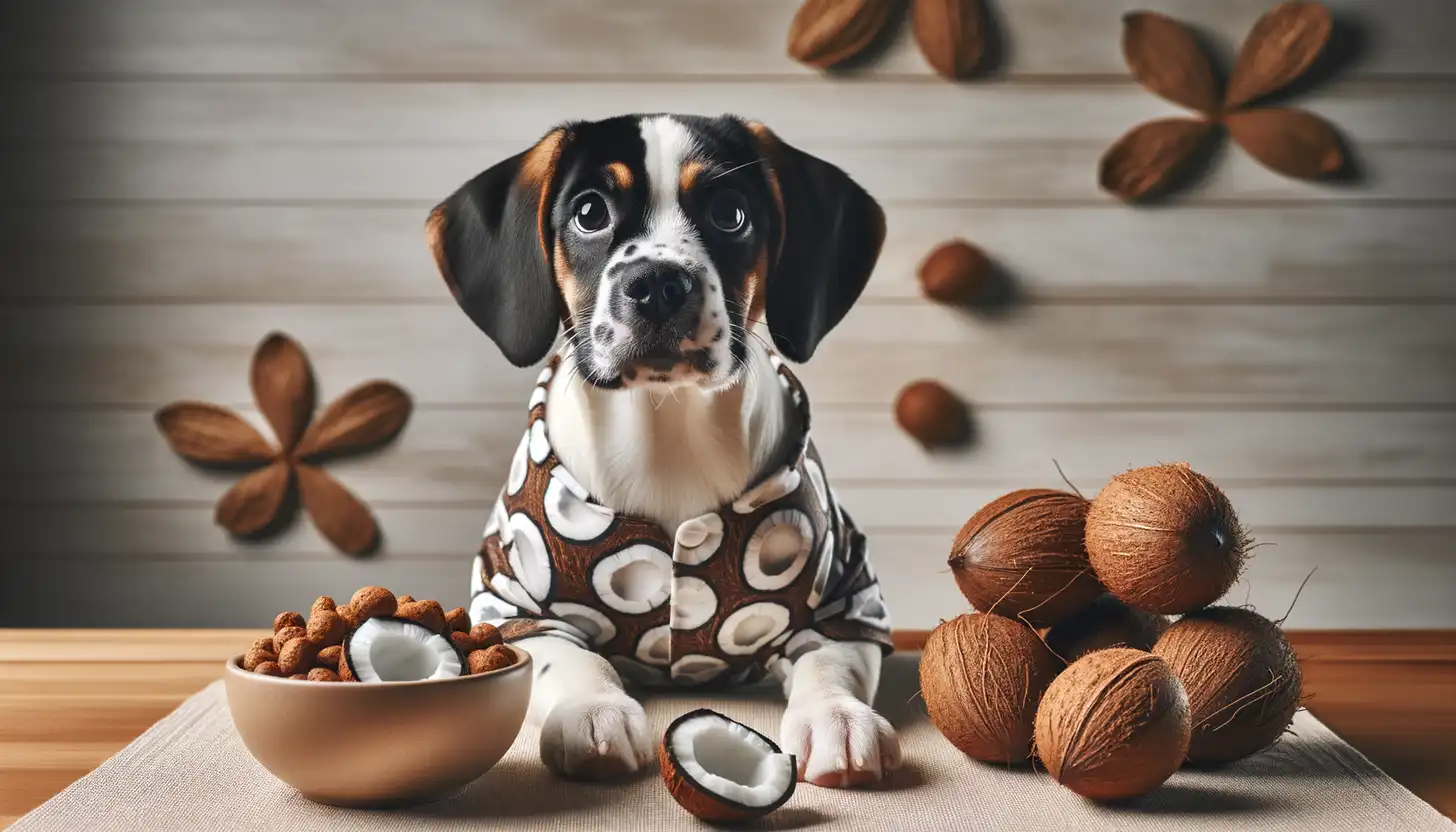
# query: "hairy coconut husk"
1242 678
981 677
1165 539
1107 623
1022 556
1114 725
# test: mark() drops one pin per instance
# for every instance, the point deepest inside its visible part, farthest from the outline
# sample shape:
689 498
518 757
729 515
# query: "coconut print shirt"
729 597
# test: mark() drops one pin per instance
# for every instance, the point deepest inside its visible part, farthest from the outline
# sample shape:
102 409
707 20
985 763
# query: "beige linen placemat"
191 772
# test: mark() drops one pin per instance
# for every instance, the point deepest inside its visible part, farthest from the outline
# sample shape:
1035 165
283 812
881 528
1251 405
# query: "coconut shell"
1022 556
932 415
981 677
1242 678
1107 623
1114 725
1165 539
696 799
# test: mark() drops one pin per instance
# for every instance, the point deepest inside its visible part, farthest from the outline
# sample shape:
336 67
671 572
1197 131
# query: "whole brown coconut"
1165 539
1022 556
1107 623
932 415
981 677
1242 678
1114 725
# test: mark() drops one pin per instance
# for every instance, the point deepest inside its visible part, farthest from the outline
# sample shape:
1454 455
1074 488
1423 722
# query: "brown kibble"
465 643
323 602
492 658
954 273
486 635
257 656
351 618
287 619
297 655
299 676
265 643
268 669
932 415
286 635
428 613
329 656
326 628
1149 156
458 620
373 602
404 599
322 674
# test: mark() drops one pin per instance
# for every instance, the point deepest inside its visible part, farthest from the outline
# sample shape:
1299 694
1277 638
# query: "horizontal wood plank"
581 38
807 113
1011 172
461 456
351 254
1312 355
1375 580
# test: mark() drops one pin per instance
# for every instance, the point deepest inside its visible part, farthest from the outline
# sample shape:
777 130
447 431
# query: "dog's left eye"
728 212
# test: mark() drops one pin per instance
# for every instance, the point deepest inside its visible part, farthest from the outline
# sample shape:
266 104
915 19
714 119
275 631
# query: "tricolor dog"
666 518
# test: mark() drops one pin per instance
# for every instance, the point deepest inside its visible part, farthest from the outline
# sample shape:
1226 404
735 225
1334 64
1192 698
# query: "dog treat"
428 613
287 619
329 657
458 620
491 658
322 674
373 602
286 635
318 649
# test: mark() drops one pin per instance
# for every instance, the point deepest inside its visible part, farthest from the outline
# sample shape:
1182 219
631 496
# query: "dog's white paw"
602 737
840 742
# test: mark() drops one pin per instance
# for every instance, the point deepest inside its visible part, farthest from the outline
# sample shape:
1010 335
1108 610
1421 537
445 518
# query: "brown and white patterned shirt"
732 595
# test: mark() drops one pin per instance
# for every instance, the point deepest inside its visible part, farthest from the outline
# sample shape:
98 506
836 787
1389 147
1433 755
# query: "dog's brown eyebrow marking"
689 175
621 174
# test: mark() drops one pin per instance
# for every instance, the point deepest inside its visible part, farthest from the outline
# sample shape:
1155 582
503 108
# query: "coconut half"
723 771
397 650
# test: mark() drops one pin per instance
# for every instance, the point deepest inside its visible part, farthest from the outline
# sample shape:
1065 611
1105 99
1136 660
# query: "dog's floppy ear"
830 233
492 242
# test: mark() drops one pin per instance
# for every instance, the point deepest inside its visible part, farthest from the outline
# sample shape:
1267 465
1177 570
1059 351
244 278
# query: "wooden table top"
71 698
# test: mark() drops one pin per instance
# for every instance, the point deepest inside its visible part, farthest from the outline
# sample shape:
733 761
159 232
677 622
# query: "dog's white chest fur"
668 454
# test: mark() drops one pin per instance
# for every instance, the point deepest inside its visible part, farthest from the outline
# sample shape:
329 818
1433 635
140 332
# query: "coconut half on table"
397 650
723 771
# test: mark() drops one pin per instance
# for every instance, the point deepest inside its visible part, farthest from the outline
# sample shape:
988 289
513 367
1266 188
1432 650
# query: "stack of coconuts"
1072 658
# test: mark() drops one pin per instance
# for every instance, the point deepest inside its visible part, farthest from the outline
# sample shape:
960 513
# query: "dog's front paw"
602 737
841 742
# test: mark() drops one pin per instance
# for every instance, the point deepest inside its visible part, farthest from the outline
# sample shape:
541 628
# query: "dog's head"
659 241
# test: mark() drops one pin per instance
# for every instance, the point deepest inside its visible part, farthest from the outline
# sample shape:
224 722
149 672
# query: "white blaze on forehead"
669 145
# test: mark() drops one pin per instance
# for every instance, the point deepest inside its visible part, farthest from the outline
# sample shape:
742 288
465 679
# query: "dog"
666 518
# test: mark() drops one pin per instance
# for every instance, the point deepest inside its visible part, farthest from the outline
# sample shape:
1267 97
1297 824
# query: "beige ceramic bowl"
380 744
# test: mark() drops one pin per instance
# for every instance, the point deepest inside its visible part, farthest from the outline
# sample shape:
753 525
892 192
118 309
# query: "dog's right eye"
591 214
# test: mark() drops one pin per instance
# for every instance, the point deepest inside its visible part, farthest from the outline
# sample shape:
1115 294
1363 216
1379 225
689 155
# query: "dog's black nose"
657 290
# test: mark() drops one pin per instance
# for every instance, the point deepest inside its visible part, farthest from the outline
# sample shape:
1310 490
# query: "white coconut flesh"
395 650
731 761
